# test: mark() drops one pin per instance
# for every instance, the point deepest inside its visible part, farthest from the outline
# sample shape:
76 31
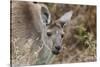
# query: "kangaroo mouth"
55 52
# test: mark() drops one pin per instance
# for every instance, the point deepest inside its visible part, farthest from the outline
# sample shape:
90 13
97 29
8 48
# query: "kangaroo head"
52 32
55 31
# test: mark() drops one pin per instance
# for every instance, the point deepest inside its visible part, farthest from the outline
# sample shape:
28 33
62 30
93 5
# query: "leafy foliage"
86 39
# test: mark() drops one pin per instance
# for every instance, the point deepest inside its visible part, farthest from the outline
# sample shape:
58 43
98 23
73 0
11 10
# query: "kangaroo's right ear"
65 18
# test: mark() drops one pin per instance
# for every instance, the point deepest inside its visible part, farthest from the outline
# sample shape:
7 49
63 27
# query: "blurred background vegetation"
79 44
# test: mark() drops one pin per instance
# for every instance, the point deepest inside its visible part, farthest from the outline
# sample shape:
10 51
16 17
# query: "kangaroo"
34 39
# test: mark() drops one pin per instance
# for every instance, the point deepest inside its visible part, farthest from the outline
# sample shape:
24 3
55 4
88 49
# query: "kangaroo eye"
62 35
49 34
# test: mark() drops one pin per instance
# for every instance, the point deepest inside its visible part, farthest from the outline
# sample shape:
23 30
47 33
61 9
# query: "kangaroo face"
55 32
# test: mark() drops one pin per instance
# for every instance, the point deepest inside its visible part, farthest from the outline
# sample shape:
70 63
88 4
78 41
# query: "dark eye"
35 2
49 34
62 35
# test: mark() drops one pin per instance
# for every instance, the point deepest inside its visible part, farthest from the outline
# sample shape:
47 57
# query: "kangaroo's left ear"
65 18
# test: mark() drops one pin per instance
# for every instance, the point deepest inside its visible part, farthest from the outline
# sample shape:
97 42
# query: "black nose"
58 47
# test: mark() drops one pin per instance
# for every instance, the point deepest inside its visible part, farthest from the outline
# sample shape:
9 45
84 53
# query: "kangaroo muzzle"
57 46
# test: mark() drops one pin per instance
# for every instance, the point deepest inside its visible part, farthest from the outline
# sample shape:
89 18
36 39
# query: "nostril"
48 34
62 35
58 47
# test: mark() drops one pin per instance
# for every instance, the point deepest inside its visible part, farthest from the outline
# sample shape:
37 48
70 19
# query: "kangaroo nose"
58 47
56 50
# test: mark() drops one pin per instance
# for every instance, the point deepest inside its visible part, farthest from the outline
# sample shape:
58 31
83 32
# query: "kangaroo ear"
65 18
46 16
